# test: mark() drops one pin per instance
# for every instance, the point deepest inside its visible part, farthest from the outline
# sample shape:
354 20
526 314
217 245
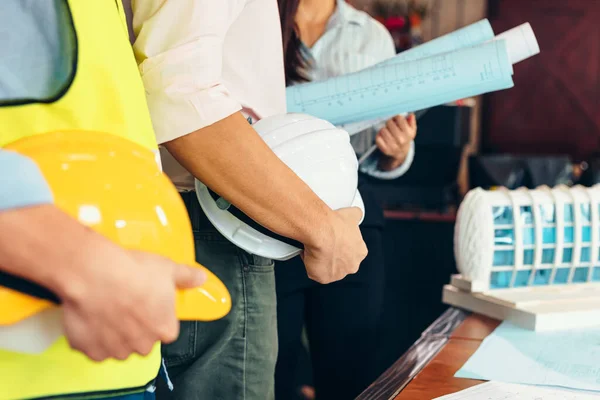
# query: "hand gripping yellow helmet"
115 187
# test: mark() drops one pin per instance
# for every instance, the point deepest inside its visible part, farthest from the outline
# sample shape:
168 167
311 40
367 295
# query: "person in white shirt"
323 39
208 66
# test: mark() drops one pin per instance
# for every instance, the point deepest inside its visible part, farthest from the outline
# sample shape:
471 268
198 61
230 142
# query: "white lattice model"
529 256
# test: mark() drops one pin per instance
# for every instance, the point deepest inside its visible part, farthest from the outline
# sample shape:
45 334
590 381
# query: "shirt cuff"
21 183
370 166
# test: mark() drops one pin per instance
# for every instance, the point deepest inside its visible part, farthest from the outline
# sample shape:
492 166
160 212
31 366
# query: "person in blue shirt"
324 39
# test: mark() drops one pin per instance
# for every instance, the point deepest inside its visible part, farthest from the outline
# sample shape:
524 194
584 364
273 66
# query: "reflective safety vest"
104 93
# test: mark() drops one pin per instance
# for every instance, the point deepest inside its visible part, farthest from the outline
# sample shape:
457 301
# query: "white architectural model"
529 256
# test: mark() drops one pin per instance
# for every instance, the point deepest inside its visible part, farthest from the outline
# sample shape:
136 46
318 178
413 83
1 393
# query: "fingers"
86 338
400 122
114 344
385 142
79 338
329 276
402 133
396 127
138 338
406 128
162 323
352 214
321 279
187 277
169 331
184 277
398 133
100 342
141 345
388 137
138 313
363 251
412 121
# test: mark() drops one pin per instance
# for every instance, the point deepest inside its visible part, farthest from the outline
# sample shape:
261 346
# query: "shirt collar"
344 13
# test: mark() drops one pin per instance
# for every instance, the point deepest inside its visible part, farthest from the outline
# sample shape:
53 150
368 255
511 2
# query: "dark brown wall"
554 107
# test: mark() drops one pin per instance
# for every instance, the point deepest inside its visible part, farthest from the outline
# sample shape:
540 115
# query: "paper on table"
510 391
414 85
568 359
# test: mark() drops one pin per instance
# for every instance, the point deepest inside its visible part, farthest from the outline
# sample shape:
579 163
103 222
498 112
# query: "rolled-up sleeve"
179 50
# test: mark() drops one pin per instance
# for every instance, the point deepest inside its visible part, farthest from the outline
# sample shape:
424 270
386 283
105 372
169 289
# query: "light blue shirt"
21 182
37 45
352 41
37 48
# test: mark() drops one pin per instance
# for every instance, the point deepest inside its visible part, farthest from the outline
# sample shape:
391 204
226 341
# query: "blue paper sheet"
468 36
568 359
382 91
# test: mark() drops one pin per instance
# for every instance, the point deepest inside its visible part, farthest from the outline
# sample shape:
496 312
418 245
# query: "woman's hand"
394 141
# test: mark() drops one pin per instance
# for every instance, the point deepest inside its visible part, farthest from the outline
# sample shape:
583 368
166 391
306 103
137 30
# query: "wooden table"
427 369
437 378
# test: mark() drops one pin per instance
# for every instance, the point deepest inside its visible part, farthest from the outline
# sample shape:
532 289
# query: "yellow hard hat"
115 187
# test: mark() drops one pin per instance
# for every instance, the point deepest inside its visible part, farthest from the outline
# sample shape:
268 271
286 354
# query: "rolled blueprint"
520 43
405 87
471 35
465 63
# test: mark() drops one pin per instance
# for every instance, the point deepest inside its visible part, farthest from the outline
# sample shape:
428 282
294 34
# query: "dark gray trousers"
233 358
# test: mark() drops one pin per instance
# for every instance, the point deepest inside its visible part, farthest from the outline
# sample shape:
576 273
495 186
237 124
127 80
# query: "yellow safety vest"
105 95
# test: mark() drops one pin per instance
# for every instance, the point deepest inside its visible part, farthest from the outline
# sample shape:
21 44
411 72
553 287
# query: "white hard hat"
319 153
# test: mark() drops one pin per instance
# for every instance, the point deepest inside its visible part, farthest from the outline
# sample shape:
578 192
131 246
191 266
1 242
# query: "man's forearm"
231 158
43 245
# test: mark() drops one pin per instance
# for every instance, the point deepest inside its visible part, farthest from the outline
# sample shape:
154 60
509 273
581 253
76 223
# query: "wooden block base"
538 309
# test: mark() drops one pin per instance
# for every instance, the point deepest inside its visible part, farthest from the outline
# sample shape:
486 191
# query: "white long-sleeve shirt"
203 60
353 41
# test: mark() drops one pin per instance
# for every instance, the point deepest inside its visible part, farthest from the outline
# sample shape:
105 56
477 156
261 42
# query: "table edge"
429 344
